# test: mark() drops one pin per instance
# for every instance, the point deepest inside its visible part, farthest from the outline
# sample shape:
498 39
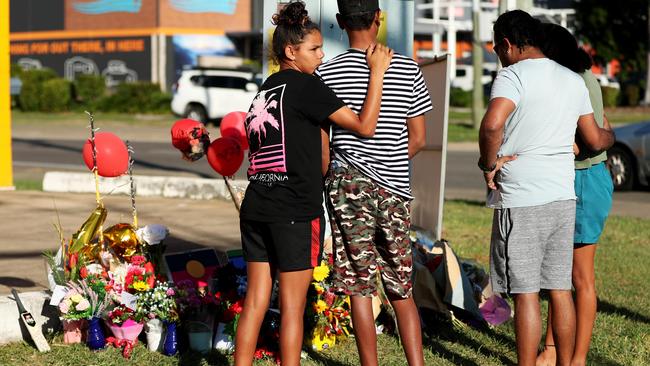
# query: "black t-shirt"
283 127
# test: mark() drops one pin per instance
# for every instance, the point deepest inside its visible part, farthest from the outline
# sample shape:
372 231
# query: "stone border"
170 187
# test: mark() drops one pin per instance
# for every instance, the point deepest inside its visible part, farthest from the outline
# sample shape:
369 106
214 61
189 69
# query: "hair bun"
293 14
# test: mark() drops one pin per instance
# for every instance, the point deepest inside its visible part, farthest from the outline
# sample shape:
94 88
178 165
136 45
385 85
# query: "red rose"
83 272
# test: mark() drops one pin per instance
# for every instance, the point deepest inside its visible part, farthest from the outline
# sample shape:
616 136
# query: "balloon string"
232 193
132 184
98 198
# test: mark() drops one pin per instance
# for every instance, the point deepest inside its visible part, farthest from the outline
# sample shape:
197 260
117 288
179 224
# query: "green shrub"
139 97
15 70
631 94
88 89
56 95
610 96
31 93
460 98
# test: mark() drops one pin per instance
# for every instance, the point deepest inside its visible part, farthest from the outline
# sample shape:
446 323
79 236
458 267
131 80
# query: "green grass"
627 115
28 185
621 335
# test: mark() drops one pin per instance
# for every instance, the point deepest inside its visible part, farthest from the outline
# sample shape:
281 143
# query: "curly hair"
292 25
560 46
519 28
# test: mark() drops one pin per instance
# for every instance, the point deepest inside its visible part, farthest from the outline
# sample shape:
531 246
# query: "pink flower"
138 260
64 307
170 292
82 305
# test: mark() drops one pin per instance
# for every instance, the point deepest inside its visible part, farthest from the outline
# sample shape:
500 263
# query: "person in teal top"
593 188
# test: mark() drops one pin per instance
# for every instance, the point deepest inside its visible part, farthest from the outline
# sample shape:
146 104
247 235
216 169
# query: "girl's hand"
378 57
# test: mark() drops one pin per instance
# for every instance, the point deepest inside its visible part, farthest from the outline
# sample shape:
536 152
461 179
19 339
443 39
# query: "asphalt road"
464 181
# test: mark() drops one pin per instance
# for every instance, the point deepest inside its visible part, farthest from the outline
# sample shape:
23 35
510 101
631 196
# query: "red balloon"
233 125
112 155
225 155
191 138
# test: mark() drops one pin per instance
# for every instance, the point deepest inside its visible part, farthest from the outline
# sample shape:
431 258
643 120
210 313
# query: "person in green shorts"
593 188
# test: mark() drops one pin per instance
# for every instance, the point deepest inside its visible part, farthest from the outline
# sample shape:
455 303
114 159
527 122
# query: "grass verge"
28 185
621 335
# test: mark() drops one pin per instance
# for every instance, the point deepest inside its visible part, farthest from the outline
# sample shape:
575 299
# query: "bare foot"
546 357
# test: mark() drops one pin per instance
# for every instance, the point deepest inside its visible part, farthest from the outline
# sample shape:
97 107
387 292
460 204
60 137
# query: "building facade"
130 40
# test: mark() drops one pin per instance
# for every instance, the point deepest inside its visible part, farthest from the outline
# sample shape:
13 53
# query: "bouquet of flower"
158 303
328 315
75 306
195 301
121 314
82 301
140 275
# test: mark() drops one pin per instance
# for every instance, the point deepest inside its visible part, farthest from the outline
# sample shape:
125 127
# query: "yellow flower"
76 298
321 272
319 289
140 286
320 306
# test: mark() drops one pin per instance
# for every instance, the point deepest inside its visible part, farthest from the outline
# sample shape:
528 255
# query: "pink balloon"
112 155
233 125
225 155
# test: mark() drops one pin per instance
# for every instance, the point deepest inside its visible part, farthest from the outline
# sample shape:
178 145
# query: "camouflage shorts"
370 228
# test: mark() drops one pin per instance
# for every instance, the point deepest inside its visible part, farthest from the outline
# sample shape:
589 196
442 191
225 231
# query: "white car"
464 78
208 94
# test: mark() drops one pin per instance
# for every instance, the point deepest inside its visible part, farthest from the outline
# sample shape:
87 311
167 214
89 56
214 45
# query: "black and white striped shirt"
384 157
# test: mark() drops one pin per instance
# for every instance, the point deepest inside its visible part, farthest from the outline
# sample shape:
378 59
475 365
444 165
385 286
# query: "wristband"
486 169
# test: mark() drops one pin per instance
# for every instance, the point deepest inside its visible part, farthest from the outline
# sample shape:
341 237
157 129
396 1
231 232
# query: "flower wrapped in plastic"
327 315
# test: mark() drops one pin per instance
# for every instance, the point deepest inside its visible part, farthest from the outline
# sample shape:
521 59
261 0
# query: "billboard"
117 59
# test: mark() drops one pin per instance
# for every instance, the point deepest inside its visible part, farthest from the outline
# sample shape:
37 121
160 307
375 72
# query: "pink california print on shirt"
265 129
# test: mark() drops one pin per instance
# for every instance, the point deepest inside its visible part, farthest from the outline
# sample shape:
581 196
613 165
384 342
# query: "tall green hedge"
139 97
56 95
88 89
31 92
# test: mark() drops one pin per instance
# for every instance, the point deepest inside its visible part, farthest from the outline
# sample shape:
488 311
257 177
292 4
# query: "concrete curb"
170 187
37 303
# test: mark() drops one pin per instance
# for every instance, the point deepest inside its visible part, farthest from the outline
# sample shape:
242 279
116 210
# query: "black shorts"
290 246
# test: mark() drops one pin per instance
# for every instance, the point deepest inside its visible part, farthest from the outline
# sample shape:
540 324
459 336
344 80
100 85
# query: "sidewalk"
27 221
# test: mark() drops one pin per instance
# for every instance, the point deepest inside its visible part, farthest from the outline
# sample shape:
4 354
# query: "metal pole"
6 169
477 63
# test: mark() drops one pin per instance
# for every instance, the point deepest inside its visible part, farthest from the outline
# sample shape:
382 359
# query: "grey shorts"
532 248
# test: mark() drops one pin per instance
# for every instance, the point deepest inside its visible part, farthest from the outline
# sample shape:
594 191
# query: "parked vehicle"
15 85
207 94
629 159
464 77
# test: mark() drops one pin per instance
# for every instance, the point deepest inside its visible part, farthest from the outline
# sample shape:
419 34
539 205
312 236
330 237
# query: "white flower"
152 234
95 269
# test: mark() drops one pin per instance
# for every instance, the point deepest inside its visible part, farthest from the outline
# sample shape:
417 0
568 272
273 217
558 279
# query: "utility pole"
6 173
477 65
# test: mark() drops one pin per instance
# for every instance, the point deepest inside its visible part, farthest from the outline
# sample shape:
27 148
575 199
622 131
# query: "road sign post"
6 172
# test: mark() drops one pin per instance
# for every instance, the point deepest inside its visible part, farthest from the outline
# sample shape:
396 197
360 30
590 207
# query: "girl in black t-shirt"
281 215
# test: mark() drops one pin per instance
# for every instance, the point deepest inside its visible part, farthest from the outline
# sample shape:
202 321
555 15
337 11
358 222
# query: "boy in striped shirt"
368 184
